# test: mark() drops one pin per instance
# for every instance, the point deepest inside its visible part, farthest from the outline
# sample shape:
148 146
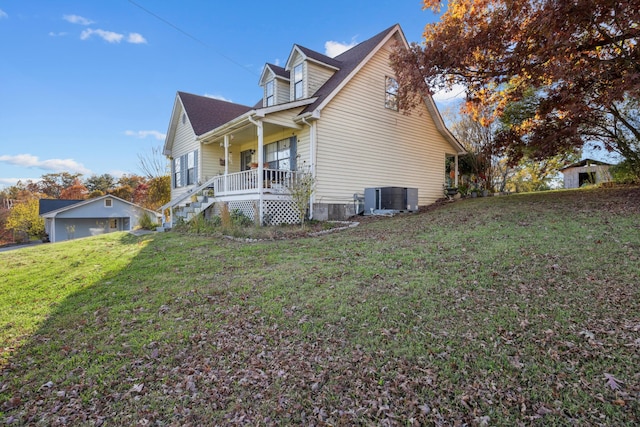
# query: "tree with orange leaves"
76 191
580 57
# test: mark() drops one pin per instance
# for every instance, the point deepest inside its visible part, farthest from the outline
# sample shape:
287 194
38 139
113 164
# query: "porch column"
260 180
226 162
456 177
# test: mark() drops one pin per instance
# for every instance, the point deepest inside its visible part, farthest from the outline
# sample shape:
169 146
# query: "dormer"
275 85
308 71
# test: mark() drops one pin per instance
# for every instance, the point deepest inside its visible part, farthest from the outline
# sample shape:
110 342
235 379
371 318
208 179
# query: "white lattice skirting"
275 212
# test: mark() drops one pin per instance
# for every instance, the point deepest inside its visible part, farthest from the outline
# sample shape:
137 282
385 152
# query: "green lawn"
493 311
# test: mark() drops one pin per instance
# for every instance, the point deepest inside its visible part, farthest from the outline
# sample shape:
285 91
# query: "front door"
113 225
245 159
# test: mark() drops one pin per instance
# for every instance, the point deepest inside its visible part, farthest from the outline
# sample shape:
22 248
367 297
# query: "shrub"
147 223
238 218
623 173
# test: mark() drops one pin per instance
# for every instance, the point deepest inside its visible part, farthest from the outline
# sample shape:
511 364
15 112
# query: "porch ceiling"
249 133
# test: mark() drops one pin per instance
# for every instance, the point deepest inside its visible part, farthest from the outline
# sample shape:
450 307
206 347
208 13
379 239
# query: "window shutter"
173 174
293 150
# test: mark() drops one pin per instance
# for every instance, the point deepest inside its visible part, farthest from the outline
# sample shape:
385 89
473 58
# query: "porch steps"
191 209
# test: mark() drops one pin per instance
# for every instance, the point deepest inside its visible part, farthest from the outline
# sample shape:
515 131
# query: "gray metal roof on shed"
586 162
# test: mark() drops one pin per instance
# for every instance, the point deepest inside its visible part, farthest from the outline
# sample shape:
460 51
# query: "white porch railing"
274 183
246 182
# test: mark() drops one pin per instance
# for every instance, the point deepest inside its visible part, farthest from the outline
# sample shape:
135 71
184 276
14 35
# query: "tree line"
19 210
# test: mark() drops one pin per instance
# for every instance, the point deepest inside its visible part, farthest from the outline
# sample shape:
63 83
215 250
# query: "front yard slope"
518 310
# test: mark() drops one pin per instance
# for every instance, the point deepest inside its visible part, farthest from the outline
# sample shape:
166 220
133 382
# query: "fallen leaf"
612 381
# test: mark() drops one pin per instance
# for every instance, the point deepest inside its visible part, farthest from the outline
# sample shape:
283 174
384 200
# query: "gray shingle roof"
279 70
319 56
207 113
49 205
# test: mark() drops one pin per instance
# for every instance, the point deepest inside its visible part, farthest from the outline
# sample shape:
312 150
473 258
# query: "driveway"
19 246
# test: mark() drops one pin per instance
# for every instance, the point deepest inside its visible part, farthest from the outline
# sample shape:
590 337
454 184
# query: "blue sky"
88 86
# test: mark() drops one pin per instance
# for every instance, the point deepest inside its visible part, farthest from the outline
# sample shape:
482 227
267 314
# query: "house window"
184 169
391 94
281 154
270 98
108 203
191 168
298 86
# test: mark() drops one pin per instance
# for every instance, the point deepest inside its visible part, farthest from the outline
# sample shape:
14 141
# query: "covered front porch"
266 200
249 164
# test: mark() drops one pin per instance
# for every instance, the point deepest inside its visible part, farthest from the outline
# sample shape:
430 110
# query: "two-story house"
336 118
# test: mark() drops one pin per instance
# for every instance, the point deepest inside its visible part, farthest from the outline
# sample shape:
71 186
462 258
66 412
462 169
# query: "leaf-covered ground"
518 310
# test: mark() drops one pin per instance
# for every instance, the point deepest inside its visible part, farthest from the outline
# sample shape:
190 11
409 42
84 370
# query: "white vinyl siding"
361 144
183 143
210 160
282 91
316 77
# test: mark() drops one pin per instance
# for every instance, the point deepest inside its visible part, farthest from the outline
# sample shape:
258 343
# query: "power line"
175 27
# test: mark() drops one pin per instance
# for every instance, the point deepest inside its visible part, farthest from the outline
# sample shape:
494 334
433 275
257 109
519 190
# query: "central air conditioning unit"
390 199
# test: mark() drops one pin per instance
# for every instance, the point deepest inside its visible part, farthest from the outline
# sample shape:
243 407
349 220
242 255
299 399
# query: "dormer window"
298 82
391 94
269 96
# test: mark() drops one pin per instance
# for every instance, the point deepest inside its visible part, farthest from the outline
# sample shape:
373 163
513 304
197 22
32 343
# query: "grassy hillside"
499 311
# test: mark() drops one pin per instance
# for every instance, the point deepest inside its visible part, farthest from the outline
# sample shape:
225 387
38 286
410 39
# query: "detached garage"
72 219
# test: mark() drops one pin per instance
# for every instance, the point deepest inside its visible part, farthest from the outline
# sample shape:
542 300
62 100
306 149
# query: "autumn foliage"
581 58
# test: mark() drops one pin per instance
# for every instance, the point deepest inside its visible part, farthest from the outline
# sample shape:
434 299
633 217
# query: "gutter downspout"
260 178
312 158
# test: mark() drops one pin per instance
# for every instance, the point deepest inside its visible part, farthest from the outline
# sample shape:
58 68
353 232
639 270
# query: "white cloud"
60 34
456 93
112 37
75 19
136 38
3 14
108 36
333 49
8 182
141 134
117 173
56 165
218 97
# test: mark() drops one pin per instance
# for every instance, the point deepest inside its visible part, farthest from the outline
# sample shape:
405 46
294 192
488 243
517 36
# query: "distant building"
71 219
587 171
